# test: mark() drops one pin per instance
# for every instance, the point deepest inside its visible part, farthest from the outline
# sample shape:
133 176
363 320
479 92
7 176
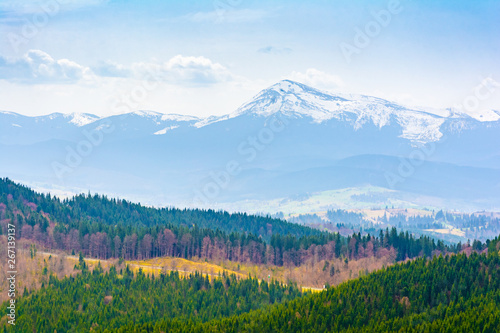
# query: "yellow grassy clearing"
313 290
241 270
183 266
91 262
310 277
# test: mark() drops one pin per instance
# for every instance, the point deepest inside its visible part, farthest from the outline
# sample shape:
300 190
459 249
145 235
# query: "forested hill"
100 209
100 301
103 228
447 294
456 293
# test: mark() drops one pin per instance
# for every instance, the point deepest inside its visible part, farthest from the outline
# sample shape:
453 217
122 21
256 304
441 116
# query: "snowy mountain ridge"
296 100
332 141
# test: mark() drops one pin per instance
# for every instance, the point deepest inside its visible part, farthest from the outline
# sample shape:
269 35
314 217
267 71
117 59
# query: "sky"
209 57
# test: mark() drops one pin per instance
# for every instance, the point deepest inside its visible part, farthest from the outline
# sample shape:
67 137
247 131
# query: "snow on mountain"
162 117
178 117
78 119
147 113
211 120
156 123
293 99
297 100
51 116
483 115
333 141
10 113
165 130
82 119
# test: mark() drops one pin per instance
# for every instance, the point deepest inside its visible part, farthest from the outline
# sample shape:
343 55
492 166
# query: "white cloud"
318 79
182 84
183 70
37 67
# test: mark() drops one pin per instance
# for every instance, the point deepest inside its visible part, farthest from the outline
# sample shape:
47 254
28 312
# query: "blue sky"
208 57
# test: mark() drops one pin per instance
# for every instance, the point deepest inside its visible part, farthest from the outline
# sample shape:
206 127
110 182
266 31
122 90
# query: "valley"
133 246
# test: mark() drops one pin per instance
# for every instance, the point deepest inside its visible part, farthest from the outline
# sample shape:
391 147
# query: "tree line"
104 228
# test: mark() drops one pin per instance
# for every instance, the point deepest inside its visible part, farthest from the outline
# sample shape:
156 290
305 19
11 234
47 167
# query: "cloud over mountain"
37 67
317 78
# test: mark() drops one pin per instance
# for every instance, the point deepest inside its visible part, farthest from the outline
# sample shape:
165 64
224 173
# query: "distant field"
355 198
455 232
373 214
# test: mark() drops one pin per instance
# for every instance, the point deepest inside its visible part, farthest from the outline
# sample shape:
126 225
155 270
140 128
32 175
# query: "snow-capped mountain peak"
289 87
81 119
300 102
296 100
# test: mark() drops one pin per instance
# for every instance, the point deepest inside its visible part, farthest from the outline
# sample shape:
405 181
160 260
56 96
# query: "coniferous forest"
104 228
108 301
454 293
446 294
431 287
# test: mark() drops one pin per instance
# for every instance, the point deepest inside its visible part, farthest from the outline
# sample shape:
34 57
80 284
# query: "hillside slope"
452 294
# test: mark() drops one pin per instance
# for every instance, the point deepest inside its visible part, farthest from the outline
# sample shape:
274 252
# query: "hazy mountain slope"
289 139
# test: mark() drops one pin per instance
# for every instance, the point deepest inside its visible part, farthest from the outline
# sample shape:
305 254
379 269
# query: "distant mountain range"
289 140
